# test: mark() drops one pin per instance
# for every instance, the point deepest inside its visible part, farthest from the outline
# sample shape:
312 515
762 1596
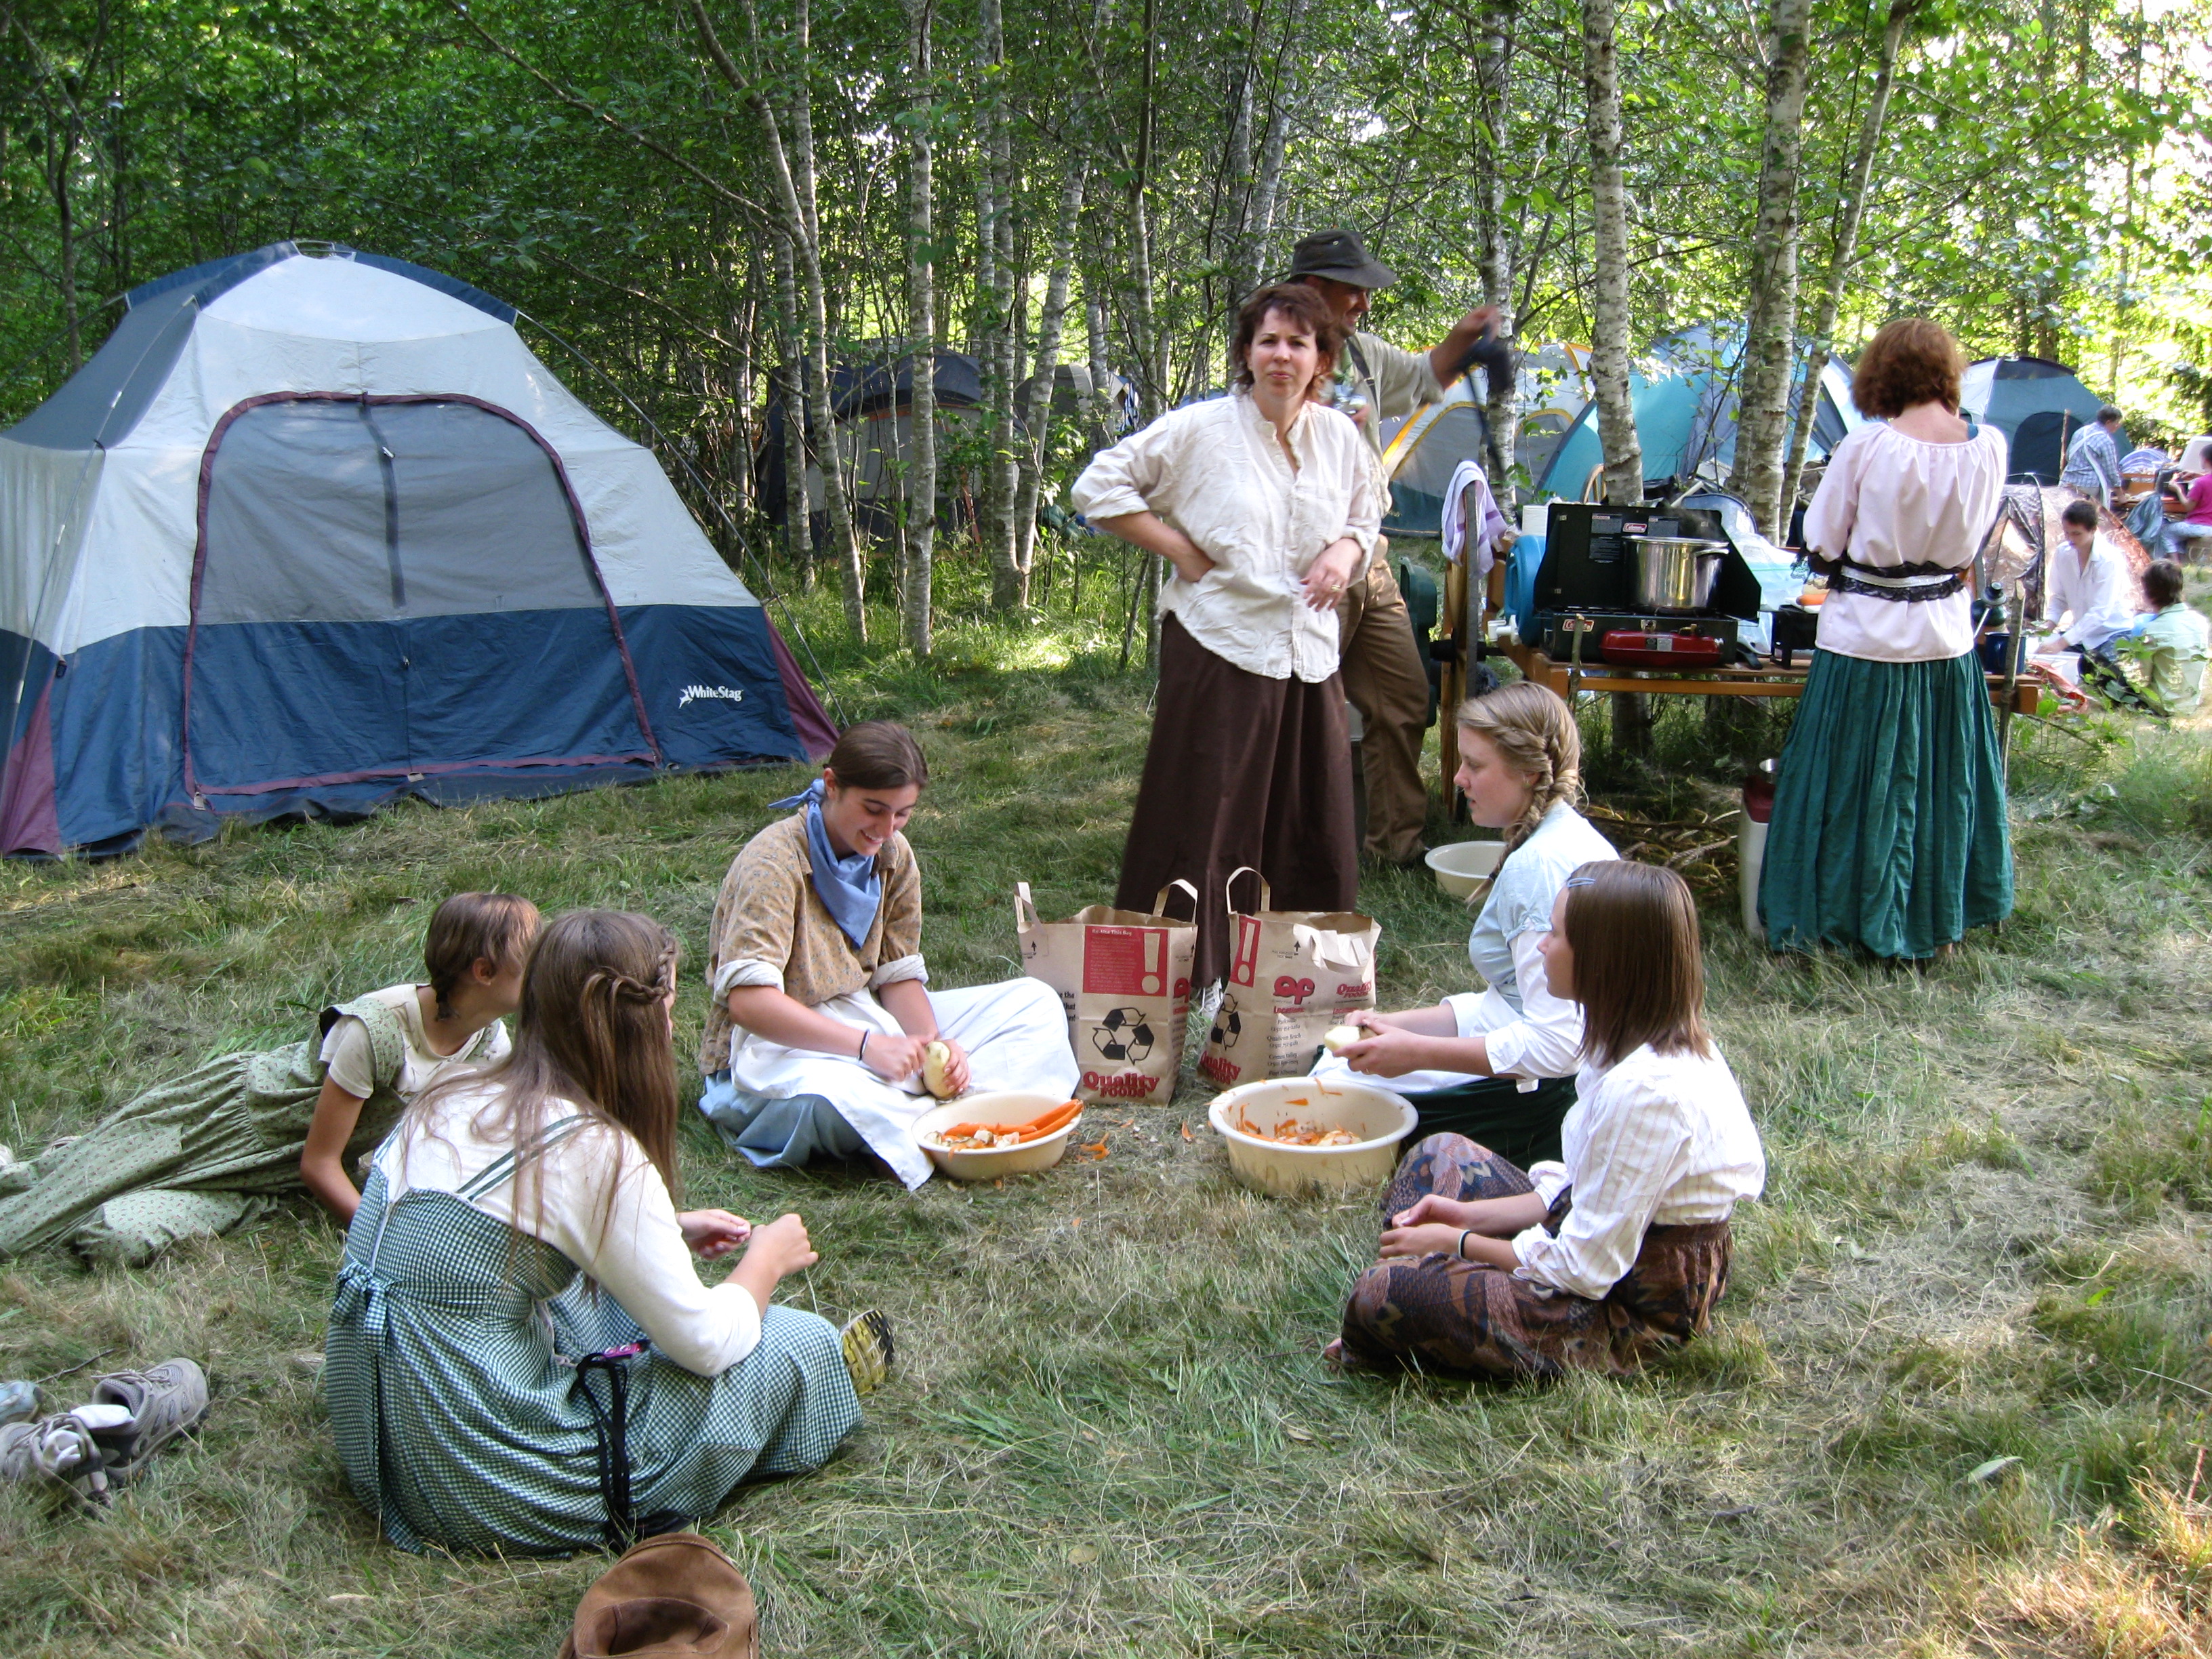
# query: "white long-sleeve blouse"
636 1254
2095 604
1655 1140
1217 471
1888 500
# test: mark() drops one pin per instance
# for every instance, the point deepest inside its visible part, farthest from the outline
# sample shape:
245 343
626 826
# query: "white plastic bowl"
1463 865
1007 1106
1379 1118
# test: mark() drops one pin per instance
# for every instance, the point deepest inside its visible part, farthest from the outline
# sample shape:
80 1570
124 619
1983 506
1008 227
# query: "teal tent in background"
1684 390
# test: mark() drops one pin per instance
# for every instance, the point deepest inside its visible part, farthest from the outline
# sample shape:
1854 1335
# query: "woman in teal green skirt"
521 1358
1888 833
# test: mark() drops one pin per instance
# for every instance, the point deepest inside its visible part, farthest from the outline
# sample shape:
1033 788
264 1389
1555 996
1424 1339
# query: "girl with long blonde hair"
1497 1065
521 1357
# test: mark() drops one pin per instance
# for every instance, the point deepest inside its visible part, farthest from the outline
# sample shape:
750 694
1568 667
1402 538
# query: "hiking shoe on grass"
19 1402
60 1448
163 1402
867 1342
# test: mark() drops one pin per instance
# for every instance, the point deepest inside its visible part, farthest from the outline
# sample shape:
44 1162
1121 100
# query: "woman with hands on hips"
822 1014
1620 1247
1264 503
1498 1066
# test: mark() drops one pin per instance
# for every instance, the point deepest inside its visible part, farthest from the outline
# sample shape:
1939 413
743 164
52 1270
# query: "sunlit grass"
1986 1239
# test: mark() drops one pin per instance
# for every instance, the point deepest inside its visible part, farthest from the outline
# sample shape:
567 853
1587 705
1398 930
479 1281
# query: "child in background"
196 1157
1621 1249
2174 637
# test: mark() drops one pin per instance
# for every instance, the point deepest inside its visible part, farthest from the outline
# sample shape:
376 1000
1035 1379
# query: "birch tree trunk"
798 529
1616 413
1857 183
994 293
1770 335
1493 79
1103 423
795 190
1267 187
1035 411
916 600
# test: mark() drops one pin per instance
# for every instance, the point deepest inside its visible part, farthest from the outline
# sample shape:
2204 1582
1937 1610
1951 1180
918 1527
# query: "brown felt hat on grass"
676 1596
1342 257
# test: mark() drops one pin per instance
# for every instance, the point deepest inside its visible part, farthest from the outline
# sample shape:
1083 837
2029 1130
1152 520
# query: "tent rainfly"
1421 451
313 532
1685 397
871 406
2037 404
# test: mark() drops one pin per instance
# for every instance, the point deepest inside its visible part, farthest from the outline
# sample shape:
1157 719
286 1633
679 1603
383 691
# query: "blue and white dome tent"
310 534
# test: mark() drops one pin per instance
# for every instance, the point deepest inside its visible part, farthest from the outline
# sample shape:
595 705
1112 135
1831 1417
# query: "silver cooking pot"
1674 573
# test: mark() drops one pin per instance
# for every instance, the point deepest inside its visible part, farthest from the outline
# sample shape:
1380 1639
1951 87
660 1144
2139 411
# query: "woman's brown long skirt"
1242 769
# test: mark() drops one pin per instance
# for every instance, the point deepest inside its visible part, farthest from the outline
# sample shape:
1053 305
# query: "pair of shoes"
111 1436
866 1339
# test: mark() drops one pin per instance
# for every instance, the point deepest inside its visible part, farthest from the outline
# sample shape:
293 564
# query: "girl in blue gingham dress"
521 1357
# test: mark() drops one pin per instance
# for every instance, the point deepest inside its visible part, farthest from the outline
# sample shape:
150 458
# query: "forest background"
716 201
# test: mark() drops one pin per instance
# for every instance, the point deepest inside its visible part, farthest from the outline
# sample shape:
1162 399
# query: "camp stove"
1588 608
1638 638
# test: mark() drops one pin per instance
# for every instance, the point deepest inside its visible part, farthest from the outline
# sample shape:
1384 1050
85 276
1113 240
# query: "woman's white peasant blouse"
1888 500
1216 471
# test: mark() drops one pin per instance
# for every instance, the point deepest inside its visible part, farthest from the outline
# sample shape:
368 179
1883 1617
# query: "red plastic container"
1632 647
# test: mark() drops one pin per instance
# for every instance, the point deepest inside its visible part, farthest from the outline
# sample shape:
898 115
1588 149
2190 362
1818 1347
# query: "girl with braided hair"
521 1357
1498 1066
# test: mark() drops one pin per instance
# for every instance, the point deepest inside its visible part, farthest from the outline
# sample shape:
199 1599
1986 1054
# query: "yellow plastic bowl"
1463 865
1379 1118
1004 1106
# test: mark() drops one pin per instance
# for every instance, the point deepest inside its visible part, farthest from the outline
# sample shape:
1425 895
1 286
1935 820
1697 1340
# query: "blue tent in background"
1685 396
2037 404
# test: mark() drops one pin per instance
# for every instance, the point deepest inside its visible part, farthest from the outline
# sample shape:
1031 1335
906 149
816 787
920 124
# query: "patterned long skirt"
1449 1318
467 1395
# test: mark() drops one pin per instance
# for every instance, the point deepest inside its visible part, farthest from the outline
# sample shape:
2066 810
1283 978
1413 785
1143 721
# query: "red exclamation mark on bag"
1246 962
1155 976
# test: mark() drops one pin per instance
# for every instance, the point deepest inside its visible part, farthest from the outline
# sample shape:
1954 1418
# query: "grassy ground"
1986 1239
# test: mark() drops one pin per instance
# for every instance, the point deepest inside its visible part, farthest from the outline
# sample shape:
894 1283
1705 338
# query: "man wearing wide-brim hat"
1383 673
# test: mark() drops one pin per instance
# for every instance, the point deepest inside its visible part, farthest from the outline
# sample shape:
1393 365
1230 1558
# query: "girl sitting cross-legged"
823 1012
1620 1249
521 1357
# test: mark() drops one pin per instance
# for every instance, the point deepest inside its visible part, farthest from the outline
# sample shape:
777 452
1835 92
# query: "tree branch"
576 101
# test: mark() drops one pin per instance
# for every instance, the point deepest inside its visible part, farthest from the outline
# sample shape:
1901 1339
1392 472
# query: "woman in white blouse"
1264 503
1889 834
1498 1066
521 1358
1621 1249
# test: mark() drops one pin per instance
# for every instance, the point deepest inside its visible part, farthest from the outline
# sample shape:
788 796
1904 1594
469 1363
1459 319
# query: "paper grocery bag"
1292 974
1124 978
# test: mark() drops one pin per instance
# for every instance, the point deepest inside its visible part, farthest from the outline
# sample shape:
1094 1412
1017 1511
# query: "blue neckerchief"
850 888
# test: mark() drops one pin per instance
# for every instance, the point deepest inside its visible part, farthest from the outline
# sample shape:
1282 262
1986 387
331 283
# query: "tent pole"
2016 620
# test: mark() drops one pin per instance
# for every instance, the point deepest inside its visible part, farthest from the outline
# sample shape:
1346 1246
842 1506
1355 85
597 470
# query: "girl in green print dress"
197 1157
522 1357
